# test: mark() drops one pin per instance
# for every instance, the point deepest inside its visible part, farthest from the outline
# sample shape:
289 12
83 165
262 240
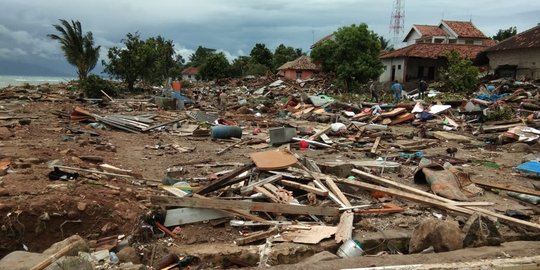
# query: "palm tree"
79 50
385 44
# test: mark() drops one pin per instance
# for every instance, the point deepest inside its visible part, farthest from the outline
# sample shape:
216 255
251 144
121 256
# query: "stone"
481 231
109 227
71 262
129 254
81 206
5 133
320 257
21 260
520 148
79 244
441 235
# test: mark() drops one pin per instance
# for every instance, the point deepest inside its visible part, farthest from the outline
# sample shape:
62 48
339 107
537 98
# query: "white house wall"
414 63
398 63
526 60
413 37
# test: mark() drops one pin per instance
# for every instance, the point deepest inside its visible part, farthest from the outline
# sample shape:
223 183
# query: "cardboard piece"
273 160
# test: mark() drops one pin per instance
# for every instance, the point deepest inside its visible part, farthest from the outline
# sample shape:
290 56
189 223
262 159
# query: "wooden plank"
508 187
307 188
375 145
306 234
387 209
256 236
345 227
239 213
319 133
245 205
249 188
266 193
335 189
181 216
432 199
225 179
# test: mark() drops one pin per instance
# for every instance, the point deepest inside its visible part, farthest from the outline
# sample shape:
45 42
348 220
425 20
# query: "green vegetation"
216 66
385 44
461 75
284 54
93 85
353 56
505 33
261 55
152 60
78 49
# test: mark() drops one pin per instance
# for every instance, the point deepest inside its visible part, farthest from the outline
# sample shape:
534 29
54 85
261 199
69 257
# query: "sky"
231 26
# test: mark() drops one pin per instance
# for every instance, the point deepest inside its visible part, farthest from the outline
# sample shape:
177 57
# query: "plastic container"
349 249
114 258
226 132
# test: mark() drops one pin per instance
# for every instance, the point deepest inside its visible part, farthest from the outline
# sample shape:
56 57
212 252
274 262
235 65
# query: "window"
452 41
385 67
469 41
298 74
398 67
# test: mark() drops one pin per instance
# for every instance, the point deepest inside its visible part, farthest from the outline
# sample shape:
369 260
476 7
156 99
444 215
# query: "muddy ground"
36 212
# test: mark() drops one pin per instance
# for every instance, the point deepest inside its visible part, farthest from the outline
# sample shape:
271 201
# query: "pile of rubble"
304 167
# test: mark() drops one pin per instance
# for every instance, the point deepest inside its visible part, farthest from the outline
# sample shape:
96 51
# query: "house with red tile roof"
190 74
427 47
518 56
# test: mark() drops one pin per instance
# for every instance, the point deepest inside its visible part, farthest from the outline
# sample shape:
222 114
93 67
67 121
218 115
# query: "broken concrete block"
441 235
281 135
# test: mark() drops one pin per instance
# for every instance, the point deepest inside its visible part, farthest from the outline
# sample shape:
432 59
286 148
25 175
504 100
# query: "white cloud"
12 53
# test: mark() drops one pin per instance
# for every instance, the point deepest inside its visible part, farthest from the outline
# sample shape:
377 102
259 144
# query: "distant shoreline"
18 80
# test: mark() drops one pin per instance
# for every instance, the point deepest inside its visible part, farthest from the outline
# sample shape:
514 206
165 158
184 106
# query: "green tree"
200 55
239 66
505 33
78 49
150 60
353 56
284 54
460 75
261 55
216 66
385 44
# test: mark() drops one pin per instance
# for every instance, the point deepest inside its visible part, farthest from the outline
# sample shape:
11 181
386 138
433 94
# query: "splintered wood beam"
508 187
256 236
335 189
245 205
249 188
225 180
239 213
428 198
307 188
375 145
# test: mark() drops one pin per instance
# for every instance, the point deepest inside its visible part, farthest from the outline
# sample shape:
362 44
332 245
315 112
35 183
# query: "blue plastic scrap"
532 167
493 97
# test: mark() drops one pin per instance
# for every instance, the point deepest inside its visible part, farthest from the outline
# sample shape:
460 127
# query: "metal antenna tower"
397 22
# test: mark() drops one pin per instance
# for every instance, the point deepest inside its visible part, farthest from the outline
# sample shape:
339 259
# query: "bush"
461 75
93 84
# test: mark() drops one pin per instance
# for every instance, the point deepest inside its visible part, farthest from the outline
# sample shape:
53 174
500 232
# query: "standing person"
422 88
223 100
396 89
373 90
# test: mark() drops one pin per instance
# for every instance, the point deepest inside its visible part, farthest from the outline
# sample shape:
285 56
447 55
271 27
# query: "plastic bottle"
114 259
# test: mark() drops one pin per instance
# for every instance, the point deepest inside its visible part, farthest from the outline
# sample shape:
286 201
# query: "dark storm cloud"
233 26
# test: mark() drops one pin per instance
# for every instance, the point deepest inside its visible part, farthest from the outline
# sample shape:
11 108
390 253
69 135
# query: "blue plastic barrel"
226 132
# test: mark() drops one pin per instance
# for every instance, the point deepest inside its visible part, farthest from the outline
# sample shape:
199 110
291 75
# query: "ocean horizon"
18 80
